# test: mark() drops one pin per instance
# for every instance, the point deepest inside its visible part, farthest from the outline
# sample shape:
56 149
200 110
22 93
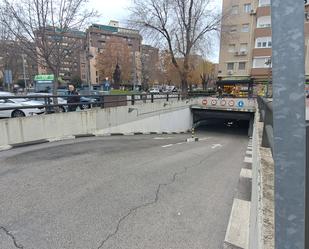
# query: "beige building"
245 50
97 37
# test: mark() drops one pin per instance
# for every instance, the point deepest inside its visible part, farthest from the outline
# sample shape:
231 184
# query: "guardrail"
102 101
266 116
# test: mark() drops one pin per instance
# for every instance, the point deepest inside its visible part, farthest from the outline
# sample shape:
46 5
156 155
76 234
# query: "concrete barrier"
261 234
172 116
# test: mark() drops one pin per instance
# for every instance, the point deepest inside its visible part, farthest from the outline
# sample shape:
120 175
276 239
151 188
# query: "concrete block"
237 234
5 147
246 173
248 160
191 140
249 152
57 139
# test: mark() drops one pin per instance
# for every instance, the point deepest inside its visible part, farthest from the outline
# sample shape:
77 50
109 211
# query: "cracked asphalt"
121 192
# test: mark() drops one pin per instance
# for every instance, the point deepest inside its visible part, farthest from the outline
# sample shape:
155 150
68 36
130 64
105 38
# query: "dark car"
85 102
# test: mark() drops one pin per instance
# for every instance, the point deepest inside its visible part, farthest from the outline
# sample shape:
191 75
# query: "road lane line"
166 146
214 146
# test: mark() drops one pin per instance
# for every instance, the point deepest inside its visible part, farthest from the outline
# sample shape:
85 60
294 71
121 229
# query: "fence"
266 116
86 101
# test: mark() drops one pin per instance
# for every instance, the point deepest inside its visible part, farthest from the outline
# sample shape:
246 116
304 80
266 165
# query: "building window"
242 66
306 16
245 28
261 62
264 22
232 48
247 8
233 28
230 66
235 10
263 42
264 3
96 73
243 47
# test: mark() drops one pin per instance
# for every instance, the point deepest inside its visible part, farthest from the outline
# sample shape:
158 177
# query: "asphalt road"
139 192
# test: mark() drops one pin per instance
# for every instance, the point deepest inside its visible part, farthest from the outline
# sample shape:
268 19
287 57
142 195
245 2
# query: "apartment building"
98 36
246 42
73 64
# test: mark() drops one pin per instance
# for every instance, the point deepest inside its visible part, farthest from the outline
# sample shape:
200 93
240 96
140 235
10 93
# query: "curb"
237 233
88 135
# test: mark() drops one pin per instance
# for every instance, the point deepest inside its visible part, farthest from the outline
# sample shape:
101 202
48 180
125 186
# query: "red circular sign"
205 102
223 102
232 103
214 102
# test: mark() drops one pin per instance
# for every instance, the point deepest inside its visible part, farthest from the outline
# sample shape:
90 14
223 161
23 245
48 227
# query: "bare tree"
46 29
115 52
183 26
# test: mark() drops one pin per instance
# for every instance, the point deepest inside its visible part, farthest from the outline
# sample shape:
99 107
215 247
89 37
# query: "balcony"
263 11
262 52
261 72
262 32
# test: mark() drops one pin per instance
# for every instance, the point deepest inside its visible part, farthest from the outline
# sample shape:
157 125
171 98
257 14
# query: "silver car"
18 106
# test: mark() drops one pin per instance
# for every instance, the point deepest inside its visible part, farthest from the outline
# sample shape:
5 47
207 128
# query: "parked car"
85 102
170 89
154 90
19 107
40 97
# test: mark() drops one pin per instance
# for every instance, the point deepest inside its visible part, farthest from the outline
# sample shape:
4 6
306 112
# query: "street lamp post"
24 71
88 58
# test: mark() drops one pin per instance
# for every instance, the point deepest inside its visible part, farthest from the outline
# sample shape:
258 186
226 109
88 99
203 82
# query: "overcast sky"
118 10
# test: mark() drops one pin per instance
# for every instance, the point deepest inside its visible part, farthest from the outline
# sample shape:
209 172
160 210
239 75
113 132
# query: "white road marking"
214 146
162 138
166 146
180 143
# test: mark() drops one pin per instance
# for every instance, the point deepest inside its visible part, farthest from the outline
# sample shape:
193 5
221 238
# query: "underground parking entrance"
229 122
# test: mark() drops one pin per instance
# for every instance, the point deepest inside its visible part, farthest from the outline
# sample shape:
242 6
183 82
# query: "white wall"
174 116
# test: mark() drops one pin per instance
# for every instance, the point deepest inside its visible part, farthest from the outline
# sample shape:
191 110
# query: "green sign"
44 77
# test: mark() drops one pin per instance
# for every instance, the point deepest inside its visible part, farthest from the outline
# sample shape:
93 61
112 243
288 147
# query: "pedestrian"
73 98
219 92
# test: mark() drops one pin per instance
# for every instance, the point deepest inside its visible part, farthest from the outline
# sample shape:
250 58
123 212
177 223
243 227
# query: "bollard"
193 132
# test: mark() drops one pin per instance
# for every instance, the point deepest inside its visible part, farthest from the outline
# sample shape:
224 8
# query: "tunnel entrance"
223 121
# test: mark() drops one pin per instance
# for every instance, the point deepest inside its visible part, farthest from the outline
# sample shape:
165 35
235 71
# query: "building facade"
73 56
150 66
246 42
98 37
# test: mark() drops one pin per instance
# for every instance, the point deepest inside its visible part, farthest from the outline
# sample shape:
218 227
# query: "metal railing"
101 101
266 116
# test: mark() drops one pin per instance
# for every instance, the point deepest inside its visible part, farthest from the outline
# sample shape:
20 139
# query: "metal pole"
289 122
307 187
134 70
24 71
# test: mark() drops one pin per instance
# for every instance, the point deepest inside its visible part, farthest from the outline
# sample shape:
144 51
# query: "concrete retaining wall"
173 116
261 234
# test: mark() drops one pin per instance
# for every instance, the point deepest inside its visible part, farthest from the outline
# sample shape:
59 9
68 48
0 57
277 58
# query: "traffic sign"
8 77
241 104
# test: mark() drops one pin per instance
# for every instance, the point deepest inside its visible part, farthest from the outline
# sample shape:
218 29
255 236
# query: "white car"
18 105
40 97
154 90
